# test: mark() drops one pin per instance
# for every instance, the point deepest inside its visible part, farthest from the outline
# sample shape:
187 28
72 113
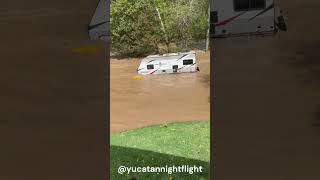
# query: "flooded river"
157 99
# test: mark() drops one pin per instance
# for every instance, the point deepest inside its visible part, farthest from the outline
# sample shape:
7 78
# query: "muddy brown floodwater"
157 99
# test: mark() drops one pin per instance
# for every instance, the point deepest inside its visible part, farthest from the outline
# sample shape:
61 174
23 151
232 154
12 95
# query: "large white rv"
98 27
243 17
169 63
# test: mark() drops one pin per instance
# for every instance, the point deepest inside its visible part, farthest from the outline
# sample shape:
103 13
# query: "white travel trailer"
243 17
169 63
98 27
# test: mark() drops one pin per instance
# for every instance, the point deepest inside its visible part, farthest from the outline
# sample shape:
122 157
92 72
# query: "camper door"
165 66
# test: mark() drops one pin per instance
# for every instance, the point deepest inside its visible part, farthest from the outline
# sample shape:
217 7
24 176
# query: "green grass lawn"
181 143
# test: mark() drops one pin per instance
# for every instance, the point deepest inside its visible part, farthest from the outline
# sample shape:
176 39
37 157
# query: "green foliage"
136 28
133 29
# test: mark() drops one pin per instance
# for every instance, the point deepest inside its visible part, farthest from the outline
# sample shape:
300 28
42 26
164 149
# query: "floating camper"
169 63
98 28
245 17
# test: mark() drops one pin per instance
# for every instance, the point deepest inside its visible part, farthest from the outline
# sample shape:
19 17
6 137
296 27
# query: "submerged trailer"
169 63
244 17
98 28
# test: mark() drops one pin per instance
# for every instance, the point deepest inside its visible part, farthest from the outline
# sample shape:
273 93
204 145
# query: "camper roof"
169 56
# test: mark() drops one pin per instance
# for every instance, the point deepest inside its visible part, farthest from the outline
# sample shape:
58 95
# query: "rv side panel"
238 17
177 63
99 25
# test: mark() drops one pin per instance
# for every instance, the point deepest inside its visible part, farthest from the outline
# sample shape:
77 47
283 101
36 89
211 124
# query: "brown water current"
157 99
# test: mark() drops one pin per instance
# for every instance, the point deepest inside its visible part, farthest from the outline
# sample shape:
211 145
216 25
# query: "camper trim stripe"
141 68
222 23
96 25
263 11
154 71
150 61
187 67
183 56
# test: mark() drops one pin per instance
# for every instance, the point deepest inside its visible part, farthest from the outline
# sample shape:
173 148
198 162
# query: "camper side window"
247 5
150 66
187 61
257 4
241 5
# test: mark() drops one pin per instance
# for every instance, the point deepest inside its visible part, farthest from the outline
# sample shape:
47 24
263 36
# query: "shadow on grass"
124 156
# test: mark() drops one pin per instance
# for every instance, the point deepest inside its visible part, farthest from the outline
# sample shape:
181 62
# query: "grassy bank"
182 143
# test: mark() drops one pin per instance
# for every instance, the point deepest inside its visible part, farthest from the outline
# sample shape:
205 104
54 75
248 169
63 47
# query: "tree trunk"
162 26
190 5
208 29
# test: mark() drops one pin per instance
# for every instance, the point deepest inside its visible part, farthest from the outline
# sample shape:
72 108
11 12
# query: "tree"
133 27
162 26
208 30
139 27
